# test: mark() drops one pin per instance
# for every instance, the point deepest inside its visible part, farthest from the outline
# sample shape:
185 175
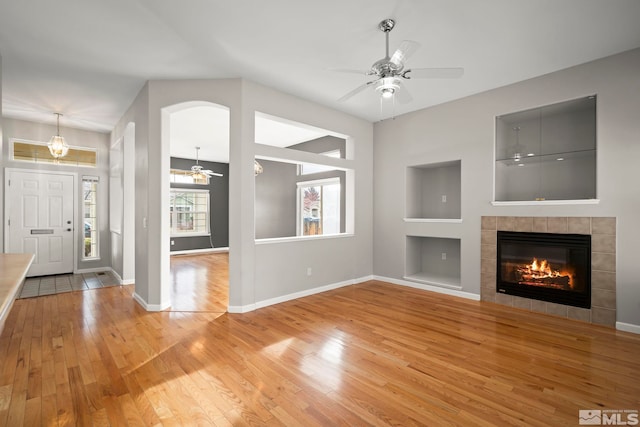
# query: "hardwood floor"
368 354
200 282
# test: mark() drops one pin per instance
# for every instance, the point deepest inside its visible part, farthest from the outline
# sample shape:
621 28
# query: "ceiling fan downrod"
386 26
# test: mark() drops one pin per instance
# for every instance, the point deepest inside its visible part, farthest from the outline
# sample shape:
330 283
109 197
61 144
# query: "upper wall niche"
547 153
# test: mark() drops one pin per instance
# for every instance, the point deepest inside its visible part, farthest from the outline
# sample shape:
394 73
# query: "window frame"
174 213
299 200
95 230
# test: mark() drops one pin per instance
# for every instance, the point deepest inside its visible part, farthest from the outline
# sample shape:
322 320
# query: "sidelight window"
90 217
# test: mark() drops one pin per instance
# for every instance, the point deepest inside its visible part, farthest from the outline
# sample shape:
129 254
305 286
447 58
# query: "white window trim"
96 180
194 234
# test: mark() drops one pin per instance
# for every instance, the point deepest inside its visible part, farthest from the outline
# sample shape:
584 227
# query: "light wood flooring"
368 354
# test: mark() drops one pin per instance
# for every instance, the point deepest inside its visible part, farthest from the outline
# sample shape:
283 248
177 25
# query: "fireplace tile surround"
603 264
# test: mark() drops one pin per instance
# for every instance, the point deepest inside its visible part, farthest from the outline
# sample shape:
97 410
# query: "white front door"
40 219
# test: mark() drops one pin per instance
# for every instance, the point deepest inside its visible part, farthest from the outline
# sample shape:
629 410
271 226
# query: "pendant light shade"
57 145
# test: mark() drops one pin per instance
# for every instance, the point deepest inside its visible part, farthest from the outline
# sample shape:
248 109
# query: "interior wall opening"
198 205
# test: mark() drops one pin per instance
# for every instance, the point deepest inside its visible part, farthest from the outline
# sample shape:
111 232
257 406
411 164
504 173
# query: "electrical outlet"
309 271
444 198
173 242
444 256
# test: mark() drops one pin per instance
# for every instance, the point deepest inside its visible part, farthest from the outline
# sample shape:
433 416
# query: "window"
90 217
178 176
38 152
319 207
189 210
309 168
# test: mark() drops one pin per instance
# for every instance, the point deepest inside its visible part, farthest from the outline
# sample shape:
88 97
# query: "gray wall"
464 129
218 206
13 128
276 200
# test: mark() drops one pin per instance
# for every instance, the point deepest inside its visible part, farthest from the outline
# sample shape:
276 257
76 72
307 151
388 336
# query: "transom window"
179 176
38 152
189 210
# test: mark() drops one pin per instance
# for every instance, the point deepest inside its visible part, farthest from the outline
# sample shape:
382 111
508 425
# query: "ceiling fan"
198 172
390 70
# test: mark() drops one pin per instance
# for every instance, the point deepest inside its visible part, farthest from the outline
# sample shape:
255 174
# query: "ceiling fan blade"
350 71
211 173
402 95
406 49
434 73
357 90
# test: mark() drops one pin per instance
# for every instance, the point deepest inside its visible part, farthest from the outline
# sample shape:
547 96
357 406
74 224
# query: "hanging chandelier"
57 145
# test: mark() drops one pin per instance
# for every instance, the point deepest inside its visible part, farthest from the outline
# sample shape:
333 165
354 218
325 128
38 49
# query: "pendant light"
57 145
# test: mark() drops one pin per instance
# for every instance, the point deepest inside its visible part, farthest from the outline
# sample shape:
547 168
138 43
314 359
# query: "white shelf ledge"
435 280
548 202
440 220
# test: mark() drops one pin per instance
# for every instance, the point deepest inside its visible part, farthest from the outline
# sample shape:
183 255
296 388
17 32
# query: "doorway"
40 212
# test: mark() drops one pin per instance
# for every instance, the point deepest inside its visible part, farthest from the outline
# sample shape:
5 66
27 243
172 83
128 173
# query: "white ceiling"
88 59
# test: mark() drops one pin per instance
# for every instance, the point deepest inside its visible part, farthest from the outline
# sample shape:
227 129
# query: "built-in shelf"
435 280
433 261
434 191
433 220
548 202
547 153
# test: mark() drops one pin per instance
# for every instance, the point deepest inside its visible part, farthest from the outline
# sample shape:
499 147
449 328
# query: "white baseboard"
150 307
199 251
120 280
628 327
425 287
295 295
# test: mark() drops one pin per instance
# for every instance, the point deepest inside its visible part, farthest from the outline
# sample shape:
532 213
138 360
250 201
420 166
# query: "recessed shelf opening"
433 260
547 153
433 191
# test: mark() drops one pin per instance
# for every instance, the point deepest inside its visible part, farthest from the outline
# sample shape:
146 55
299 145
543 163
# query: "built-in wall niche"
433 191
433 261
547 153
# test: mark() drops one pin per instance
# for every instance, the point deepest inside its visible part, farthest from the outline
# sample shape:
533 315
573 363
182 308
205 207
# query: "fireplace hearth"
545 266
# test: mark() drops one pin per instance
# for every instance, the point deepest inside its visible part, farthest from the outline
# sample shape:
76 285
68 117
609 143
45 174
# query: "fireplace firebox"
545 266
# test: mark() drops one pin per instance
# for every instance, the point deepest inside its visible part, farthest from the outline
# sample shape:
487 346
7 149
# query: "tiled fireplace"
603 264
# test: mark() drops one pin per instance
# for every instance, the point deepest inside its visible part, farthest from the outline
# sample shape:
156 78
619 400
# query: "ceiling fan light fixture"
387 92
57 145
388 87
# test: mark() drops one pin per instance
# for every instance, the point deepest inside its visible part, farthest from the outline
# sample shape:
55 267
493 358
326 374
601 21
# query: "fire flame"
542 269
